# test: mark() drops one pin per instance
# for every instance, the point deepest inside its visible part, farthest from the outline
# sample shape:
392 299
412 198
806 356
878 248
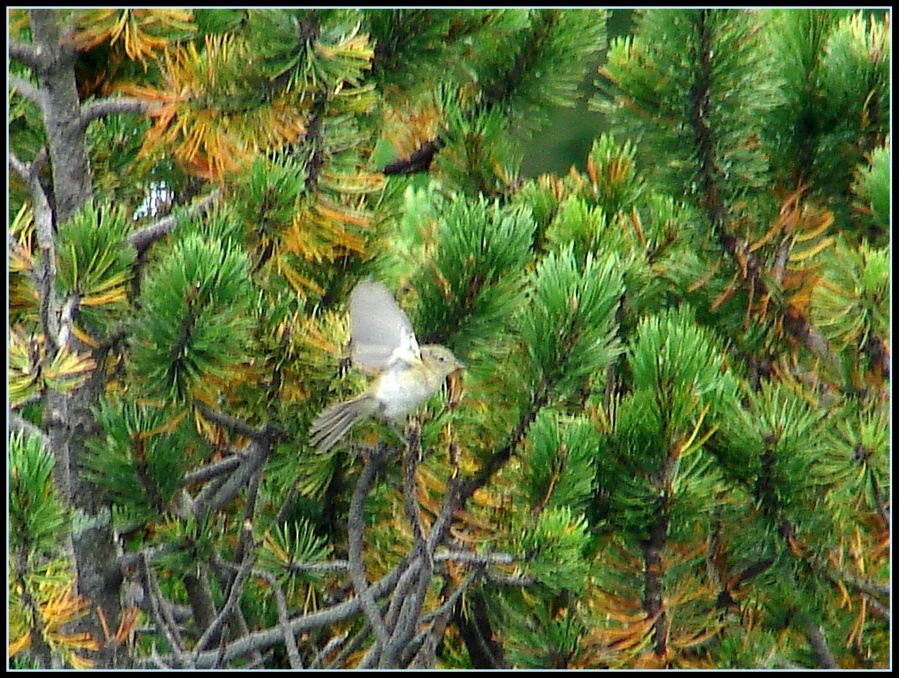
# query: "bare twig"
423 647
197 505
259 640
356 526
327 566
407 618
246 537
457 491
156 661
163 617
410 490
233 596
329 647
462 556
351 647
398 597
509 580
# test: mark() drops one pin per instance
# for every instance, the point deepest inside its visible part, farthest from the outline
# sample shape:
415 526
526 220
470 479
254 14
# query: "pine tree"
670 444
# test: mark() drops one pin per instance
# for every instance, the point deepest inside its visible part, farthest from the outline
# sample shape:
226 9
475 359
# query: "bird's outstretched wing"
380 332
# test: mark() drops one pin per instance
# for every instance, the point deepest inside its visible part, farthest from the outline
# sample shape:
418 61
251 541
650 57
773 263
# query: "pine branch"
199 596
818 643
876 350
62 116
700 95
499 458
255 457
538 34
653 576
798 324
28 91
44 231
765 493
148 484
419 161
18 424
712 188
236 425
483 649
40 647
210 471
408 619
104 107
860 584
146 236
879 500
493 94
313 141
375 657
309 27
725 597
28 54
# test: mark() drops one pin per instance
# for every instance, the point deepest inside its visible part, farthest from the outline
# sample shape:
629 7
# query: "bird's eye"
441 358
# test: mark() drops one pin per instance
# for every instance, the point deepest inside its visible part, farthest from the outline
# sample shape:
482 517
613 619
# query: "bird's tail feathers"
334 421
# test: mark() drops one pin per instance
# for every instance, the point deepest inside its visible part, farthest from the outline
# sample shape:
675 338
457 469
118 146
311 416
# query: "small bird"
382 342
